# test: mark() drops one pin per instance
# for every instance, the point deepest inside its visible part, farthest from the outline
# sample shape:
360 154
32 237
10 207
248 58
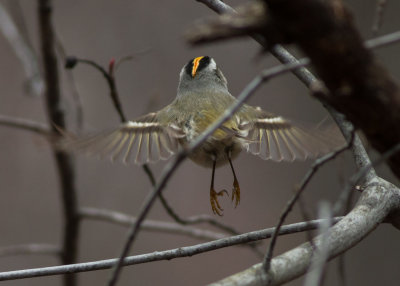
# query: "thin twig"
149 225
31 248
171 167
57 118
25 124
306 179
162 255
70 62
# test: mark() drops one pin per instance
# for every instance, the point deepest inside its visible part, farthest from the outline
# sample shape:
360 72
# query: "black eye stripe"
204 62
189 67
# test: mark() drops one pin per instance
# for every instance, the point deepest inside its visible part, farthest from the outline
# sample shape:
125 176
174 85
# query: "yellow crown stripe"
196 63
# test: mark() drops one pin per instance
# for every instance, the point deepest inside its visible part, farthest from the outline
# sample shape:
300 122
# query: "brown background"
30 208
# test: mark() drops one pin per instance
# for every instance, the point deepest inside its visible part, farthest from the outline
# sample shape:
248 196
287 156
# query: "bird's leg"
236 188
215 206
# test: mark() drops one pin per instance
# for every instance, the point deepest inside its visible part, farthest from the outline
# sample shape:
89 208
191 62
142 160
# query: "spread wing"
140 141
275 138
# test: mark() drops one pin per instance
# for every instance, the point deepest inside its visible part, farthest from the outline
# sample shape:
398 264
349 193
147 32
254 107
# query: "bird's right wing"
140 141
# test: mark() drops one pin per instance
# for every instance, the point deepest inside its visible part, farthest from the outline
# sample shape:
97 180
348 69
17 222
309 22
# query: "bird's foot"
236 192
215 206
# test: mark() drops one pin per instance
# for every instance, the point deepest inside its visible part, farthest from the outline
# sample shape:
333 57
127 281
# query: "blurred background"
152 32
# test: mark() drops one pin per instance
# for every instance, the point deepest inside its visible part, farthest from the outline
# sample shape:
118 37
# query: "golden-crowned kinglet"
201 99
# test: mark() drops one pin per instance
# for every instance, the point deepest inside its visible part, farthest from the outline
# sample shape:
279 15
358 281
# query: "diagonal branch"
163 255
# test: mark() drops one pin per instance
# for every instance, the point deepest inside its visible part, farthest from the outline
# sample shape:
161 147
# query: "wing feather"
140 141
273 137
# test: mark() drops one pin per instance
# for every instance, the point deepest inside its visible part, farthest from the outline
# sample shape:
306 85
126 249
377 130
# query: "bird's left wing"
140 141
278 139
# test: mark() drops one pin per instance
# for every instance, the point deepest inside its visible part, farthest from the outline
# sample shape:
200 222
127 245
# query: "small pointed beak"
196 63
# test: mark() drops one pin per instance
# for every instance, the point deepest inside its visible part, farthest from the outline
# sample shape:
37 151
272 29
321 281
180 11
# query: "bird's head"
201 73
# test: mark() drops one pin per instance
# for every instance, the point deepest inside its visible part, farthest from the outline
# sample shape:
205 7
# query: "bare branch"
70 62
31 248
162 255
25 124
56 116
149 225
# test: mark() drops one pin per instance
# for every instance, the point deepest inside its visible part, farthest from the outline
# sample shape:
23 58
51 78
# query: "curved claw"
215 206
236 192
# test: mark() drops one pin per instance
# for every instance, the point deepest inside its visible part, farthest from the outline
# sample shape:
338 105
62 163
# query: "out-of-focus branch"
378 21
57 118
31 248
25 124
24 52
182 155
149 225
315 274
163 255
